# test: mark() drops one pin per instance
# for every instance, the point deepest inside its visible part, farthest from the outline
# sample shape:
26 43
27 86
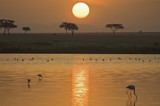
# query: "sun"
80 10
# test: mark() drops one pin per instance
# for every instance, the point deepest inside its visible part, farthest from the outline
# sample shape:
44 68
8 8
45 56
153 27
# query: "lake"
79 79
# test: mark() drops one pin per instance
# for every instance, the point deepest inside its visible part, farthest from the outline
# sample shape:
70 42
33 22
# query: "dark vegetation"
114 27
95 43
7 25
69 27
25 29
89 43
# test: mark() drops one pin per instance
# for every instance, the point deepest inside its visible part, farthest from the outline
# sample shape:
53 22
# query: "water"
79 80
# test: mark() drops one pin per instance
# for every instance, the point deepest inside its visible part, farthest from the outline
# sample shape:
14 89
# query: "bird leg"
131 93
29 85
128 93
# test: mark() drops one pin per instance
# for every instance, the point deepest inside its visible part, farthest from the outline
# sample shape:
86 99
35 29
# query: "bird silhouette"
29 80
40 76
131 88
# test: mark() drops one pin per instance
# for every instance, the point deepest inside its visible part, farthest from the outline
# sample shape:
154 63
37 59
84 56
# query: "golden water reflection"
131 102
80 86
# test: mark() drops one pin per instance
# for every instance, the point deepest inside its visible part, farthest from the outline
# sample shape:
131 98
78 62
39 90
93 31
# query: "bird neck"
135 93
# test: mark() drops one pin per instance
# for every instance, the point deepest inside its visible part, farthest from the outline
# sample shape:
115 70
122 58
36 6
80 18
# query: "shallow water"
79 80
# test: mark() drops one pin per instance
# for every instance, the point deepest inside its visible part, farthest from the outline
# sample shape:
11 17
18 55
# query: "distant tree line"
9 24
69 27
114 27
25 29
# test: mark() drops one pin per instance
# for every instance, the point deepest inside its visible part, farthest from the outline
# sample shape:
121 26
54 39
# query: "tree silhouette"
114 27
7 25
72 27
65 26
26 29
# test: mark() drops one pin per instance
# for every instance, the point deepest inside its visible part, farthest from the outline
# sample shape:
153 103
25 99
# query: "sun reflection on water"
80 86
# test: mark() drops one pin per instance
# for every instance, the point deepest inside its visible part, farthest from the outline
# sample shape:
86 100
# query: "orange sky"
46 15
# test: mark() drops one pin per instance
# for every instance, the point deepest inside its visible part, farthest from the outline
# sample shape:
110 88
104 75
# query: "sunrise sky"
46 15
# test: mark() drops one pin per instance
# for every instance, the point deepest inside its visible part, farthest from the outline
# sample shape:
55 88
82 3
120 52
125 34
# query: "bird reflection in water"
28 85
131 102
80 87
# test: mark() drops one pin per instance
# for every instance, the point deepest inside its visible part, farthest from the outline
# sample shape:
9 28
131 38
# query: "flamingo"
29 80
131 88
40 76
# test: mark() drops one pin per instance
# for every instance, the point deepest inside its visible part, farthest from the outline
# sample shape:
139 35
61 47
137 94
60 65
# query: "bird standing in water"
131 88
29 80
40 76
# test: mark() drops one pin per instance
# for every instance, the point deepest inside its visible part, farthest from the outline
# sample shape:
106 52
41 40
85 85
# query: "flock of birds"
130 88
120 58
30 59
133 59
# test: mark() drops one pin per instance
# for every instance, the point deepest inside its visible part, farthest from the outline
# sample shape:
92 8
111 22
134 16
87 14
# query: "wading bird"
29 80
40 76
131 88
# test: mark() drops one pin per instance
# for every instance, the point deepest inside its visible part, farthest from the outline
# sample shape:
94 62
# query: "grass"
93 43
